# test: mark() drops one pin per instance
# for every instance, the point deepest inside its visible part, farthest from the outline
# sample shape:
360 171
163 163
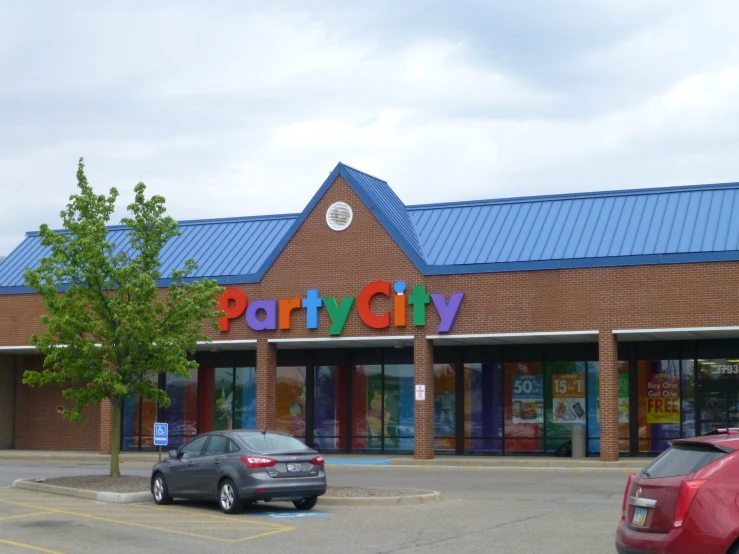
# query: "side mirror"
173 454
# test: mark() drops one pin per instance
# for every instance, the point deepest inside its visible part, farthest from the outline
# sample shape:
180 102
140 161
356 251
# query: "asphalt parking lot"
493 510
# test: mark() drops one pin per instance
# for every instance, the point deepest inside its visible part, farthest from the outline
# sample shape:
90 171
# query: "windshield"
272 443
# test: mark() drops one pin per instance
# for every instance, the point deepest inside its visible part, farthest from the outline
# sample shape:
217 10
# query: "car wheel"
306 503
160 491
228 497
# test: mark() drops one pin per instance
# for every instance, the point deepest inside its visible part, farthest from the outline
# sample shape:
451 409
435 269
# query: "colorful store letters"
270 315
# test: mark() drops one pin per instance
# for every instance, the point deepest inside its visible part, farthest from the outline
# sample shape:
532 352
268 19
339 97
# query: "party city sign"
269 315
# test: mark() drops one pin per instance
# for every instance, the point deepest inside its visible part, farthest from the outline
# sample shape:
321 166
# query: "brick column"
106 420
423 374
608 362
266 385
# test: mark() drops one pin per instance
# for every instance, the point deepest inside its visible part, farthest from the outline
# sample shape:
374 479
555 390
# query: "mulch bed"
102 483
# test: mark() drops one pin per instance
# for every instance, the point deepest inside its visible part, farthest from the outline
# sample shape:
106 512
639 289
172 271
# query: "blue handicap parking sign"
161 434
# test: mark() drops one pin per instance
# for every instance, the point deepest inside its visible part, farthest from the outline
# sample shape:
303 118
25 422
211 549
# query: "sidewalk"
353 460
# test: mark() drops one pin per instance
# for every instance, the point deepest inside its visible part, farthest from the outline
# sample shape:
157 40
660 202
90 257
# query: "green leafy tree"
112 329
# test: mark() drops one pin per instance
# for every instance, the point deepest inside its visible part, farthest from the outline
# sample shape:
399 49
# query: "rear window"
272 443
682 459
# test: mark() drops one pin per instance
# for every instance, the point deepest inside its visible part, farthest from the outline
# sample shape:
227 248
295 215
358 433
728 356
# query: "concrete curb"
111 497
542 463
424 497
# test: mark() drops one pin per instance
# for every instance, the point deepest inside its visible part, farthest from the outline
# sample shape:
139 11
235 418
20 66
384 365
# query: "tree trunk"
115 439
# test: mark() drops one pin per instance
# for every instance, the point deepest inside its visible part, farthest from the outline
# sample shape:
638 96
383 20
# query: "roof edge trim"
575 195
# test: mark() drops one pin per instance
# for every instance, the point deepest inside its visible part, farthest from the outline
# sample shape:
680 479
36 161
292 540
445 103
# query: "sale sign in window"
663 398
528 399
568 398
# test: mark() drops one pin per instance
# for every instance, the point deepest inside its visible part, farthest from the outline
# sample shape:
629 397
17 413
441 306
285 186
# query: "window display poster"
663 398
528 399
568 398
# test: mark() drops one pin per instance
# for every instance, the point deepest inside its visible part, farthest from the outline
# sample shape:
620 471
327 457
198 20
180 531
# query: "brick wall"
266 385
608 367
423 374
38 426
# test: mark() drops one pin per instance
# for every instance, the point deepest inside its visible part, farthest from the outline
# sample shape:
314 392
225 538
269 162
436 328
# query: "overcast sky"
227 108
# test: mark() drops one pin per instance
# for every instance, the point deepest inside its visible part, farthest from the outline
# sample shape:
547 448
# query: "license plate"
295 467
640 516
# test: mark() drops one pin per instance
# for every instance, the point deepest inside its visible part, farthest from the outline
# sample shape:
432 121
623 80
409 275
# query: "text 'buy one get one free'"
269 315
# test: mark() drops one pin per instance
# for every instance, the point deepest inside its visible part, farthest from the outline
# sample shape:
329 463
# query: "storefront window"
245 398
399 406
182 412
130 439
524 407
368 414
659 403
444 407
290 409
718 401
594 406
329 421
139 416
223 398
721 369
483 408
688 404
383 404
565 402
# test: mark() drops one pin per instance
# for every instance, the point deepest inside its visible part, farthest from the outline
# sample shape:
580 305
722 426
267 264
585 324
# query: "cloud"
232 108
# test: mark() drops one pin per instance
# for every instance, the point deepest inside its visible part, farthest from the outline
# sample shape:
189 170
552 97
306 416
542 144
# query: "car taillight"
318 461
256 461
626 496
688 490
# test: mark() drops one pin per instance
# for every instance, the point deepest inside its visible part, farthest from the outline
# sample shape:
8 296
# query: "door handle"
217 461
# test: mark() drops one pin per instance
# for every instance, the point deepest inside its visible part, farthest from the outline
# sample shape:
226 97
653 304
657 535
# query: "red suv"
686 501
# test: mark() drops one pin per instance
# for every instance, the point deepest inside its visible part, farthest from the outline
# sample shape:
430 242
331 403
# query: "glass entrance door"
717 410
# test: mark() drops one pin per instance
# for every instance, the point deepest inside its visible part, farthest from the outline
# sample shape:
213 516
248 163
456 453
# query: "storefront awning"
17 350
344 342
552 337
684 333
221 345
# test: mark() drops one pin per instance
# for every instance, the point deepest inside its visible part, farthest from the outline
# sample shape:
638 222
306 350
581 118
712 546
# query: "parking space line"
26 515
164 529
262 535
213 516
28 546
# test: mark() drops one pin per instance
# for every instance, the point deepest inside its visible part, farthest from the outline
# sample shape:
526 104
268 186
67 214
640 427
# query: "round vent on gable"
339 216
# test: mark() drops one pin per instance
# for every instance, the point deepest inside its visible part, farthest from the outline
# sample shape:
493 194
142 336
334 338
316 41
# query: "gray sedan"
239 467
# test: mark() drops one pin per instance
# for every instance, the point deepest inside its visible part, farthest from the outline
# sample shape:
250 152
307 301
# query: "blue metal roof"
614 228
388 208
645 226
229 250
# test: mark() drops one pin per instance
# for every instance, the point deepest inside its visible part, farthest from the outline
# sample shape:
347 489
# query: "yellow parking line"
262 535
212 516
141 525
26 515
28 547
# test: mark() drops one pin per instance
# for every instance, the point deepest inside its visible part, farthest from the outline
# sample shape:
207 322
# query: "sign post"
161 436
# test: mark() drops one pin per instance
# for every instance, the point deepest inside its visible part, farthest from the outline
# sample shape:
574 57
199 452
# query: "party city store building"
487 327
